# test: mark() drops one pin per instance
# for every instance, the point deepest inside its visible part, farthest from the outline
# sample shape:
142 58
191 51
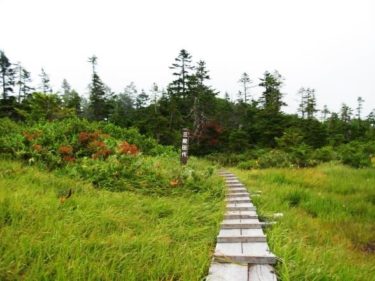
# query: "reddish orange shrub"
31 136
86 137
68 158
102 153
37 147
65 150
174 182
126 148
96 145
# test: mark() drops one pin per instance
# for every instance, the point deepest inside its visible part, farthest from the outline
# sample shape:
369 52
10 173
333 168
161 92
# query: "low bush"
108 156
355 154
247 165
275 158
325 154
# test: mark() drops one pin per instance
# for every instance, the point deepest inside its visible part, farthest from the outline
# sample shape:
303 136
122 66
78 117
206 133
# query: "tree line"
216 124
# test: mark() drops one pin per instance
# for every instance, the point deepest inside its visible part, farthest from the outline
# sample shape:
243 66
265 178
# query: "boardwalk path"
241 252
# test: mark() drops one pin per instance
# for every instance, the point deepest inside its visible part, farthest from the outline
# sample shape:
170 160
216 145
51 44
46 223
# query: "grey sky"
327 45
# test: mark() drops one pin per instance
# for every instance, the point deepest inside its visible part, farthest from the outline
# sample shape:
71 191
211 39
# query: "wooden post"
184 146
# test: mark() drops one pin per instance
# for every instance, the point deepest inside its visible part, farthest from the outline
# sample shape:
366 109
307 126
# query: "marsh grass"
328 228
101 235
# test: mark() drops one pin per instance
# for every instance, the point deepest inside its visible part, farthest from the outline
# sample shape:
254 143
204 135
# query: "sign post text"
184 146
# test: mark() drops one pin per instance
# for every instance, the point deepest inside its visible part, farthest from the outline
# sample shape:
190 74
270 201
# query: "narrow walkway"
241 252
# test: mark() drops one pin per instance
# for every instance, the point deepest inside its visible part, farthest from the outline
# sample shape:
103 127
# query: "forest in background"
248 132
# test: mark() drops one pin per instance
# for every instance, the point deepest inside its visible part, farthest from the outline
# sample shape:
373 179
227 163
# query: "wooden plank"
237 190
227 272
240 205
261 272
241 208
238 200
241 223
242 194
235 185
254 253
240 215
241 235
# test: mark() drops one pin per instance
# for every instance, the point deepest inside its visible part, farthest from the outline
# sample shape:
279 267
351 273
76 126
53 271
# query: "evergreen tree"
182 66
226 96
371 118
201 72
71 98
45 82
7 74
325 112
66 87
245 81
310 103
302 104
271 99
360 102
23 80
155 95
97 109
346 113
141 100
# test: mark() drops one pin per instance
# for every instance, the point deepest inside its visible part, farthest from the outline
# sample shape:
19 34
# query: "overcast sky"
328 45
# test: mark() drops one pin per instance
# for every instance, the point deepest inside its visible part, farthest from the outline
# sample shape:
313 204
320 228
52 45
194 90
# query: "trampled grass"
328 228
101 235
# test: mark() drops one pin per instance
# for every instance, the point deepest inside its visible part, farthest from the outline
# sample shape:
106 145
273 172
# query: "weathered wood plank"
240 215
241 235
238 200
261 272
242 194
227 272
240 207
254 253
241 223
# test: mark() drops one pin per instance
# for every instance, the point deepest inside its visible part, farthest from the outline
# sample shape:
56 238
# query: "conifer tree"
23 82
45 82
7 75
97 109
360 102
71 98
245 81
141 100
310 103
182 66
346 113
325 113
271 98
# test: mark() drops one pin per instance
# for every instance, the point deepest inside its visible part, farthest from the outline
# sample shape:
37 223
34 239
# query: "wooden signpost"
184 146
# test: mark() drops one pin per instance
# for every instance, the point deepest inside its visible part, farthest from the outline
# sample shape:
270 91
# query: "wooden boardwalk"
241 252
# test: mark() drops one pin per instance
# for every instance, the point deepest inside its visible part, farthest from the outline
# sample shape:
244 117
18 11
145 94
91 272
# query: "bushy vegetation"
355 154
327 231
53 227
108 156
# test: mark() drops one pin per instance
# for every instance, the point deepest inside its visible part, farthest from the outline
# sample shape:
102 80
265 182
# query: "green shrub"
301 156
355 154
247 165
275 158
11 140
325 154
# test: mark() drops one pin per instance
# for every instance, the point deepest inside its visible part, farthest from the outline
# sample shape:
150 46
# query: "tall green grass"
328 228
101 235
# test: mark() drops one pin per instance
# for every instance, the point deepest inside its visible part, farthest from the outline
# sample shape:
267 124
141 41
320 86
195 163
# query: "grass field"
101 235
327 231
